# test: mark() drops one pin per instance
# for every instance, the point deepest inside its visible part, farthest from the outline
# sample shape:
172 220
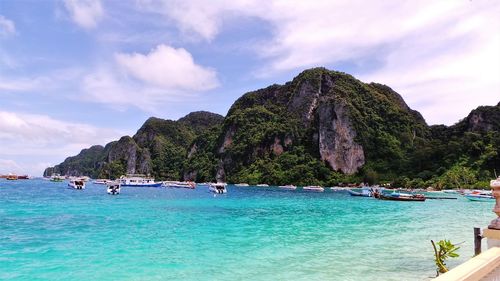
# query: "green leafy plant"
446 250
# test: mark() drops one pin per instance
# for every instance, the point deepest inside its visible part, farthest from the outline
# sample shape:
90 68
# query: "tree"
446 250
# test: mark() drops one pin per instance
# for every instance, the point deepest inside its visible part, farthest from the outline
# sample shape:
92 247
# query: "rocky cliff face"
484 119
337 145
158 148
137 159
328 113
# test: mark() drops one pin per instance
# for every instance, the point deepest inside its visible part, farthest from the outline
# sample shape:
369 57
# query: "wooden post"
477 241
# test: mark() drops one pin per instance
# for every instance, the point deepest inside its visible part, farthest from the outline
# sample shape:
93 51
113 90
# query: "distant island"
322 128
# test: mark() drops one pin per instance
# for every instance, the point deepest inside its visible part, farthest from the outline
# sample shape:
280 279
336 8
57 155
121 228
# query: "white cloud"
40 137
168 68
438 54
7 26
107 86
55 79
21 84
85 13
9 166
44 130
192 19
149 82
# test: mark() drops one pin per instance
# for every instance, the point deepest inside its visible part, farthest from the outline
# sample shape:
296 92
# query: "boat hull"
219 188
288 187
113 191
217 191
396 198
188 185
77 186
360 194
313 189
480 198
144 185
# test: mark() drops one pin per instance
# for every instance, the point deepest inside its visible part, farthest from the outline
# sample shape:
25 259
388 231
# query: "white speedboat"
102 181
138 180
219 188
113 188
180 184
263 185
241 184
315 188
77 184
289 187
480 197
364 192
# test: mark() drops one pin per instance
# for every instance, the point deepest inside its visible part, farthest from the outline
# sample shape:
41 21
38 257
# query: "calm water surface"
50 232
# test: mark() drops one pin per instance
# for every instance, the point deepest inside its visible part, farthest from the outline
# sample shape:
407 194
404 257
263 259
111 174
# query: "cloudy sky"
76 73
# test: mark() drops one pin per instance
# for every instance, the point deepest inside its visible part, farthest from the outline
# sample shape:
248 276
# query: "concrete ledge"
475 268
491 233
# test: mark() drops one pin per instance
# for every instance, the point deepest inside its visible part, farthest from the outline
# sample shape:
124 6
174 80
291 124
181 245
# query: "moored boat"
77 184
218 188
262 185
314 188
57 178
180 184
365 192
289 187
102 181
480 197
113 188
401 197
241 184
138 181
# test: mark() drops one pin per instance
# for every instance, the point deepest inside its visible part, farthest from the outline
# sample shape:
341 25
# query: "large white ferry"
138 180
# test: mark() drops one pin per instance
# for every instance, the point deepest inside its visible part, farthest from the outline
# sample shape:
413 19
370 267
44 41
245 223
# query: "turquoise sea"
50 232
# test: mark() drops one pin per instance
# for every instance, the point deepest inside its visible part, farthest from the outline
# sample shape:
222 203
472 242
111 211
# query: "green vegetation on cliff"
323 127
158 148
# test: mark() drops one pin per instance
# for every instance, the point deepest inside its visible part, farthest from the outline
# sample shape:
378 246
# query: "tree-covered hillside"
323 127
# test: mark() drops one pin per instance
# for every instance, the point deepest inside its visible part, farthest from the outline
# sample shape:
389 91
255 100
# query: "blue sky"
77 73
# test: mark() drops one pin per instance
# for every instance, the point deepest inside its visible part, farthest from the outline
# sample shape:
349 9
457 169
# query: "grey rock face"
221 173
192 151
137 160
49 171
337 144
228 139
